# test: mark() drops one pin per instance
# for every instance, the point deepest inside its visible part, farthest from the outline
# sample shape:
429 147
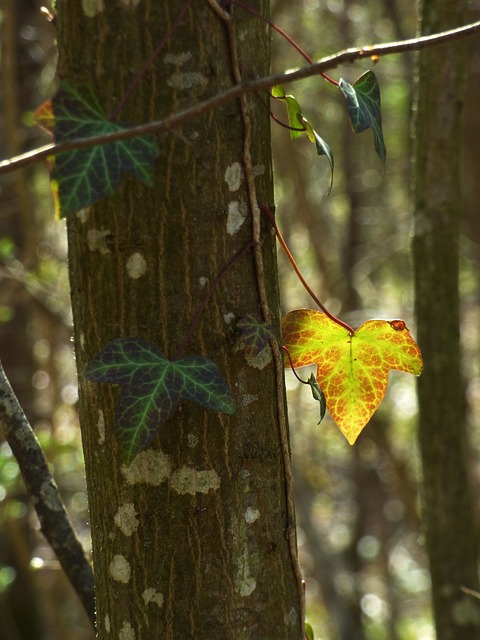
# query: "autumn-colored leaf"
83 176
352 370
152 386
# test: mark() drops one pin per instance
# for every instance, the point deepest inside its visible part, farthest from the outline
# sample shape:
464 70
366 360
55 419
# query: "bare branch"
41 487
177 119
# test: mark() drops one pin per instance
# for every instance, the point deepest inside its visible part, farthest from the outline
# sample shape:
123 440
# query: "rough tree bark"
451 530
195 539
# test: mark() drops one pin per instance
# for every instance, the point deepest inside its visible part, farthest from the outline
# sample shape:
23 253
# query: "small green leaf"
254 336
299 125
363 104
294 111
295 117
278 91
153 386
309 631
84 176
318 395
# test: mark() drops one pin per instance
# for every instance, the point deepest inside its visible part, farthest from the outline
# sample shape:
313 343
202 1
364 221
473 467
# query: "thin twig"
470 592
284 34
177 119
274 117
41 487
140 74
210 292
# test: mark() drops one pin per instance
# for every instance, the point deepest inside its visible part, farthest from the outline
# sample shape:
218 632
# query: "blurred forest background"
360 532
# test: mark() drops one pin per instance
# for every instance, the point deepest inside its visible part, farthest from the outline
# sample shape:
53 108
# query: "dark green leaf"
322 149
152 386
363 104
254 336
84 176
318 395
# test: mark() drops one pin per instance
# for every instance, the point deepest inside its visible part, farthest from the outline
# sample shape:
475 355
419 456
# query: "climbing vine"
91 154
352 366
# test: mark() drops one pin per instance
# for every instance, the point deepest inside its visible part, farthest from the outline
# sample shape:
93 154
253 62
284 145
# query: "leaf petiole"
291 259
292 365
275 118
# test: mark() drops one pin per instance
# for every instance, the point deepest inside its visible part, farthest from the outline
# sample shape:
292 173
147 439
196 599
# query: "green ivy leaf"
84 176
254 336
309 631
294 111
153 386
299 125
363 105
318 395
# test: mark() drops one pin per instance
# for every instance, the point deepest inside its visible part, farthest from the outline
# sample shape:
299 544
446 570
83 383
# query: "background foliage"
358 507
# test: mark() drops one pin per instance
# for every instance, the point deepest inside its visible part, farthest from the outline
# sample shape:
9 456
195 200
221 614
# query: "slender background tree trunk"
193 540
452 542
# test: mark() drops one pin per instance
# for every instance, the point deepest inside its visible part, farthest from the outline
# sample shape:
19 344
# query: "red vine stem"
291 259
248 86
274 117
283 33
292 366
291 532
139 75
210 292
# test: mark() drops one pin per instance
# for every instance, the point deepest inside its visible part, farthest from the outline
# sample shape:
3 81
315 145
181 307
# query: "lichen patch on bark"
251 515
136 265
187 80
151 595
120 569
233 176
237 214
126 632
101 427
97 241
92 7
126 519
149 467
189 480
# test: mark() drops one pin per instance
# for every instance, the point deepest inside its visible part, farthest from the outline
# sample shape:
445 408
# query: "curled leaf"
318 395
363 105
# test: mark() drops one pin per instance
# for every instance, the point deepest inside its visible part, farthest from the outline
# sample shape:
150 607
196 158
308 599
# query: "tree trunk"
194 539
451 532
